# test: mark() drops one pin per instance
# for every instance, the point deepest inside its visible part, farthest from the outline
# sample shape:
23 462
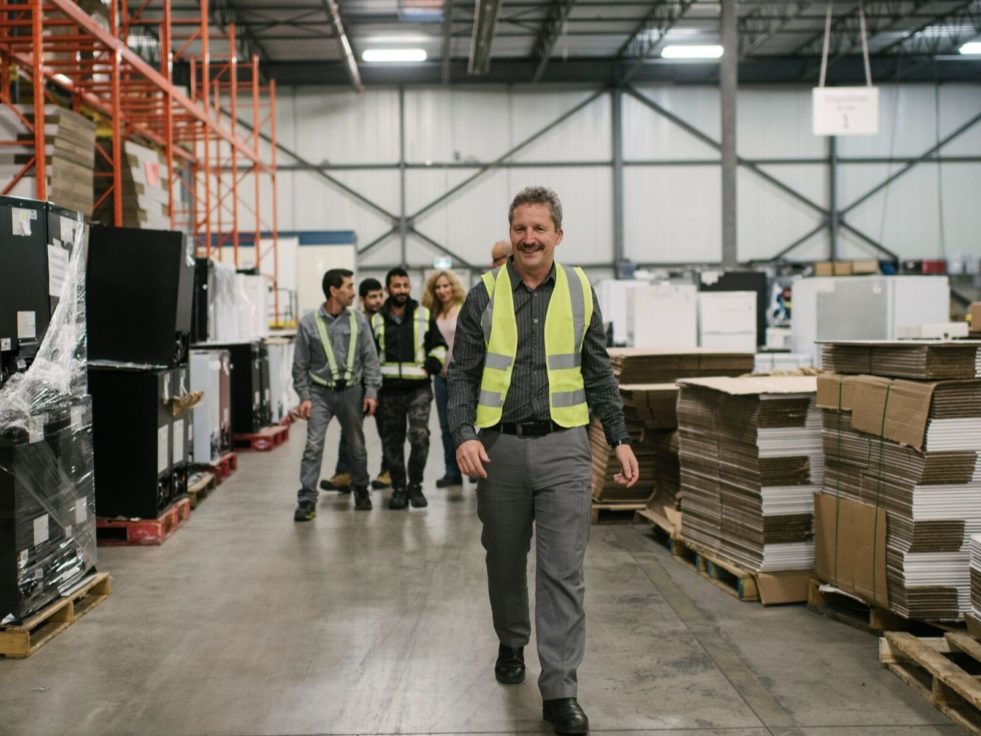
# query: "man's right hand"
304 409
470 457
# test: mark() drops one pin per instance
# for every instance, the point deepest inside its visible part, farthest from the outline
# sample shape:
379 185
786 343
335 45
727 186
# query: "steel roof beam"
447 49
644 39
486 13
764 22
552 30
344 44
963 23
224 13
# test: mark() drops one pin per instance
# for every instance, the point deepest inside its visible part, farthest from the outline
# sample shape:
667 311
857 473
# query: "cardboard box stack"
902 492
751 461
646 377
69 154
145 189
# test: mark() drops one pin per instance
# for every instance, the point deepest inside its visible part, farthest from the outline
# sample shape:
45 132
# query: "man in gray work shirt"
529 364
334 352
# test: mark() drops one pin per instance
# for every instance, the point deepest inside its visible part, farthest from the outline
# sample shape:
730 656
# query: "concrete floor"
247 624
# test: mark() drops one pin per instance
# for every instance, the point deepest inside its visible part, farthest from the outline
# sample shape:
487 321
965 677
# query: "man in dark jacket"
411 350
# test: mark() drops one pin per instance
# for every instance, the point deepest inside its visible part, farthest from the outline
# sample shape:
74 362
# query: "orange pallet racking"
66 54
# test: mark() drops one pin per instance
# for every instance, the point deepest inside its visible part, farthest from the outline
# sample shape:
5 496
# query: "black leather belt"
527 429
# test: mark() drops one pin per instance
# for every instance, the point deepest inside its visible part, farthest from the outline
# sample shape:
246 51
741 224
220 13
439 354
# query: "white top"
447 327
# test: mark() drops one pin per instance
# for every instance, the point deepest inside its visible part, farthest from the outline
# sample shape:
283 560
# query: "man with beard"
529 364
412 350
372 297
334 353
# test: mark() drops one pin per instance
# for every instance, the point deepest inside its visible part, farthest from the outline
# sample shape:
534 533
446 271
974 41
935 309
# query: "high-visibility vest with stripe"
570 310
352 346
408 370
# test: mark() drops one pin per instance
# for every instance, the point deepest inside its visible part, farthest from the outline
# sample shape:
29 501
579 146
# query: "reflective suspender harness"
336 379
570 310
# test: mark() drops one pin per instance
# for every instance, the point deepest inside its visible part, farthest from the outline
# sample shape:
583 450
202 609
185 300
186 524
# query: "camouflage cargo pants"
396 411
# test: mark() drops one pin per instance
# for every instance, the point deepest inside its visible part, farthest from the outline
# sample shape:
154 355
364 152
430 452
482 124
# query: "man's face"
344 294
373 300
533 236
398 290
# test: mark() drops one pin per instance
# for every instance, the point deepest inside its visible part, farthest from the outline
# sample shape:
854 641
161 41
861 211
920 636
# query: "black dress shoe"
510 666
565 715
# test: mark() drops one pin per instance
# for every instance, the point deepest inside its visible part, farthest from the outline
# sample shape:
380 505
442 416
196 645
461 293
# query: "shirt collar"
328 315
516 277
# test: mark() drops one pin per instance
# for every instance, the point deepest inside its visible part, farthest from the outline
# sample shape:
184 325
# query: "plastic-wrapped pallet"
47 498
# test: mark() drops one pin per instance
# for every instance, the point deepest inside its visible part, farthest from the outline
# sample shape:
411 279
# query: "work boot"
305 511
362 499
448 480
566 716
384 480
340 482
399 499
509 669
416 498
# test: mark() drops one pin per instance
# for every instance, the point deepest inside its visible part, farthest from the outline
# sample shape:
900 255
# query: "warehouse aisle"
247 624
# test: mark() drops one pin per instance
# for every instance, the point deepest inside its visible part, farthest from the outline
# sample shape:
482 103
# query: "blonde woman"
443 296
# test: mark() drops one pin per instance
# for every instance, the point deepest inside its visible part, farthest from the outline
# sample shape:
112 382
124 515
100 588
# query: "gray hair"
538 195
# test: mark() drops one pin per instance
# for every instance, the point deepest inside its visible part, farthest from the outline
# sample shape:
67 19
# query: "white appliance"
282 396
727 320
612 296
663 316
864 308
206 376
252 305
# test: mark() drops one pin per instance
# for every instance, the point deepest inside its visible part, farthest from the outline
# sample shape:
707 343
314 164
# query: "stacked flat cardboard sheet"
651 365
69 154
750 451
975 552
911 451
904 358
605 466
145 188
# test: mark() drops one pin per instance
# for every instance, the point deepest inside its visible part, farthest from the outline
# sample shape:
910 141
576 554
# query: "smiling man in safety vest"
529 364
412 350
334 352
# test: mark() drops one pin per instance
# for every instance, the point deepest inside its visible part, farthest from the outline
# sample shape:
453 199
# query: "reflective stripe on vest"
569 311
413 371
335 374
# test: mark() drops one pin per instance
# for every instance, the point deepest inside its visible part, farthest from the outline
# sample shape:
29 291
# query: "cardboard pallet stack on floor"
974 617
902 495
69 154
751 462
145 188
646 377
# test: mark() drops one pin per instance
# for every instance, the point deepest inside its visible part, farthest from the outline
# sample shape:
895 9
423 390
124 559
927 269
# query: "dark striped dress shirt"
527 396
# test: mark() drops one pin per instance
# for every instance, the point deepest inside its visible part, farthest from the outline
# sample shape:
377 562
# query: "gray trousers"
540 482
346 406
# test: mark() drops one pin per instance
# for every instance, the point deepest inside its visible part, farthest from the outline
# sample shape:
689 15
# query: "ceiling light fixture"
393 56
486 13
691 52
971 48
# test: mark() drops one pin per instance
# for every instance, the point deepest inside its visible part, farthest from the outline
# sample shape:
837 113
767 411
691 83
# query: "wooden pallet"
945 670
666 532
128 532
267 438
723 574
22 640
868 617
201 489
615 513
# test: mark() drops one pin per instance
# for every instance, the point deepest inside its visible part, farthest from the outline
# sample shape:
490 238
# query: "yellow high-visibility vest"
570 310
408 370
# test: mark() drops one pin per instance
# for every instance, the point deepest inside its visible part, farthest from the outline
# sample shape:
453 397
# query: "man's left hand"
368 406
629 470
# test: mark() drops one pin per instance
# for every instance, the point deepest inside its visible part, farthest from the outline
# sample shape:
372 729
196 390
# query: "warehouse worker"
334 354
500 252
372 295
529 364
411 350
